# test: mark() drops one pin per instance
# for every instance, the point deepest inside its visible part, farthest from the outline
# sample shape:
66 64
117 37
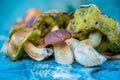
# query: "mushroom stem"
95 39
72 43
36 53
63 53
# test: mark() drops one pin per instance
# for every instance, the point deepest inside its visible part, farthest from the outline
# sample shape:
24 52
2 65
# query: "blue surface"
28 69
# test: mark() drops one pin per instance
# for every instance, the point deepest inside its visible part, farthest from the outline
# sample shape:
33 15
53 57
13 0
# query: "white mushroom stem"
36 53
63 54
72 43
95 39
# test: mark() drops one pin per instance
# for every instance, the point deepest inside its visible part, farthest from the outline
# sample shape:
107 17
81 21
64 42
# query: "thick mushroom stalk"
95 38
62 51
37 53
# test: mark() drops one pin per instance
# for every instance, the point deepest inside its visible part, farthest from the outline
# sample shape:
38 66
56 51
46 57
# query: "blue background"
25 69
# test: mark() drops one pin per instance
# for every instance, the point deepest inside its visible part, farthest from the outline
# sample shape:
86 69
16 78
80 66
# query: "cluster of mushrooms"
86 35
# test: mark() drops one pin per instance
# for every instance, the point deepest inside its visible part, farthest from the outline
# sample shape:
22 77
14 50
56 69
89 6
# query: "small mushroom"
30 16
62 51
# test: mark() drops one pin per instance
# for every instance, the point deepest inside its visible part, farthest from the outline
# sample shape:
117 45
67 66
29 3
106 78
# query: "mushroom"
62 51
88 19
61 18
97 32
28 40
15 46
14 49
30 16
44 23
48 20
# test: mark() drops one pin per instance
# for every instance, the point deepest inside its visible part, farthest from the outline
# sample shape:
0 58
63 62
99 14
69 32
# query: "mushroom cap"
56 36
30 15
89 18
61 18
54 13
44 23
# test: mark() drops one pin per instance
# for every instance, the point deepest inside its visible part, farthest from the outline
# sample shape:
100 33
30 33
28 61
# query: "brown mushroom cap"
57 36
30 15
